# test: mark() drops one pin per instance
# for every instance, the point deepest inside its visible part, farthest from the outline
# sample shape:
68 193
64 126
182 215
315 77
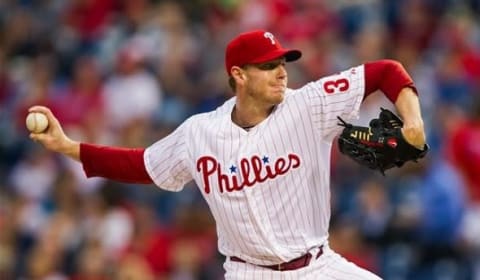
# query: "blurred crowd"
126 73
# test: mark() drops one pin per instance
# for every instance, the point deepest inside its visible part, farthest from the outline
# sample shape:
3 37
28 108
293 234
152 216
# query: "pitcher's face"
266 82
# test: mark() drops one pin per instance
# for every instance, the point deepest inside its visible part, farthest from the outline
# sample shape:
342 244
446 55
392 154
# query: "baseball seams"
36 122
268 188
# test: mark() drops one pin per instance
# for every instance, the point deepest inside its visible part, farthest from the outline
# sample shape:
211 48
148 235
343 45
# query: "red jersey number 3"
333 86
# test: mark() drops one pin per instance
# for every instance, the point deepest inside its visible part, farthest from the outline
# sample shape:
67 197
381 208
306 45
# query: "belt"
294 264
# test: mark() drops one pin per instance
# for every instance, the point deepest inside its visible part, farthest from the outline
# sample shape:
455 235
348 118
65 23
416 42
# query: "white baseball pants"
329 266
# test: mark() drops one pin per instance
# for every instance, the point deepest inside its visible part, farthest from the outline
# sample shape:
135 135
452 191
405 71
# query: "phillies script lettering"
253 170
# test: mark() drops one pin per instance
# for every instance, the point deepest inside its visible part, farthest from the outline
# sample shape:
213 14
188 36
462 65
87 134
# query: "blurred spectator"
5 83
7 99
194 244
36 86
37 169
132 95
7 237
374 211
443 195
45 260
151 241
107 221
92 263
126 72
434 190
88 18
176 67
464 150
133 267
135 21
346 239
415 22
20 39
80 105
42 264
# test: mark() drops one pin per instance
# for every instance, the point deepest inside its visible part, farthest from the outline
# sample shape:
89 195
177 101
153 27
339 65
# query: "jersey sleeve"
337 95
167 160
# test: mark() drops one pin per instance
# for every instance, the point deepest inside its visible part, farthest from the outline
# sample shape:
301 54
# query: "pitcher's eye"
269 65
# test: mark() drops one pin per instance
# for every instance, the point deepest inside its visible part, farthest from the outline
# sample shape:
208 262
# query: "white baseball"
36 122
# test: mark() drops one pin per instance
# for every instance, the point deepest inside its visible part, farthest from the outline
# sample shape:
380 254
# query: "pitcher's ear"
238 74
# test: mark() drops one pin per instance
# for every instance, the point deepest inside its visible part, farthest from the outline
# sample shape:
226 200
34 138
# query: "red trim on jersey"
387 75
120 164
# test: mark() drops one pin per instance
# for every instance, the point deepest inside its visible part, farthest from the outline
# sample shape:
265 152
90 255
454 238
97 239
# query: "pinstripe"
293 193
329 266
221 214
308 138
176 164
296 113
268 203
235 133
281 208
318 197
277 193
342 269
251 215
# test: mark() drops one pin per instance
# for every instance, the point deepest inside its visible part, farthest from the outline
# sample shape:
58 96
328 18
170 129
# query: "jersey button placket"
250 199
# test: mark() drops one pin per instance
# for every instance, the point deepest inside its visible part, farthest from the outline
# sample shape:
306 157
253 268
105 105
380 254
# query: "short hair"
232 83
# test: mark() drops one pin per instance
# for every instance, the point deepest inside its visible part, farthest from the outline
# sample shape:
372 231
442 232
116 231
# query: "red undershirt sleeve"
119 164
387 75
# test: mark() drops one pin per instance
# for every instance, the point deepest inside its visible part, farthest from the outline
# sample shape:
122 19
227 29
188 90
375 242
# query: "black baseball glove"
381 145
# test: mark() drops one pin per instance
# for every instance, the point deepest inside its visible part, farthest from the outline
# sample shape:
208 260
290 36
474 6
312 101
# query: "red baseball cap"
256 47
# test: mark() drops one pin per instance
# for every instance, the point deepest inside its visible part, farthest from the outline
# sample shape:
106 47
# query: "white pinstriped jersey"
267 188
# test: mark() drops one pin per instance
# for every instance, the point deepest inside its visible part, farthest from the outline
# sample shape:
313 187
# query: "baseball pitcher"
261 160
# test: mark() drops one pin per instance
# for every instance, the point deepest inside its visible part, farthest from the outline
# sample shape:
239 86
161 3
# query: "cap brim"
289 54
293 55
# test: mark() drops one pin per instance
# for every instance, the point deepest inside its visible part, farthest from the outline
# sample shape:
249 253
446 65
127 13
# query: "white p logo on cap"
269 35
